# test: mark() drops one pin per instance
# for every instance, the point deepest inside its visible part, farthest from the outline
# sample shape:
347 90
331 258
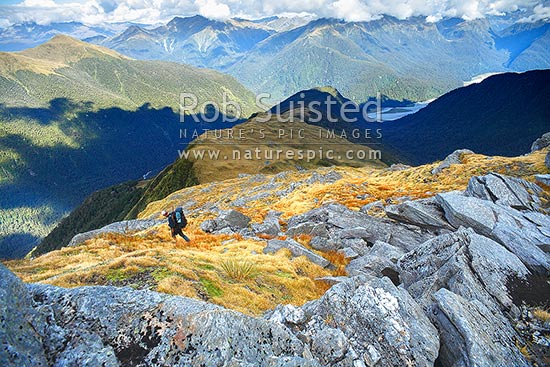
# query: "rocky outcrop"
466 275
425 213
124 227
519 233
505 191
437 282
108 326
229 221
541 143
365 322
338 227
453 158
20 344
270 225
470 336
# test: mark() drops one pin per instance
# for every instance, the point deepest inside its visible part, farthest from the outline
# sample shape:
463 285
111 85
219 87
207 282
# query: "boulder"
453 158
270 225
547 160
228 222
505 191
324 244
309 228
543 179
20 345
123 227
505 225
426 213
348 253
541 143
296 250
369 321
471 265
209 226
470 336
234 219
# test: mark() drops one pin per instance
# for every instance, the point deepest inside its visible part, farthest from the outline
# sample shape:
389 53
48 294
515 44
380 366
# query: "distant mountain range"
76 117
402 59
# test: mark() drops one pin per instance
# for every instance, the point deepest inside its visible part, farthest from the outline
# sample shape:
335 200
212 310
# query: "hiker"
176 222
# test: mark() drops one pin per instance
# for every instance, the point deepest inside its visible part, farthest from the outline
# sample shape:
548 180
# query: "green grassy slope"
75 118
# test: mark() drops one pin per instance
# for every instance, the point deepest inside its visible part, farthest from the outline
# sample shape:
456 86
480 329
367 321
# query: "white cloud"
213 9
540 12
155 11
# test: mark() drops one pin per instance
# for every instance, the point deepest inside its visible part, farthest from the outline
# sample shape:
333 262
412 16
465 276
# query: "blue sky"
156 11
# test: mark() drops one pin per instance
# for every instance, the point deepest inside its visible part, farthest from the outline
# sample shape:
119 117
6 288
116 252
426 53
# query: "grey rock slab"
122 326
20 345
423 213
377 319
235 219
124 227
466 263
309 228
381 256
541 143
505 191
471 337
510 227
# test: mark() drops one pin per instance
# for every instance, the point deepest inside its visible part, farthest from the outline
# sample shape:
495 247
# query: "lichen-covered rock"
379 321
20 345
125 226
466 274
120 326
464 262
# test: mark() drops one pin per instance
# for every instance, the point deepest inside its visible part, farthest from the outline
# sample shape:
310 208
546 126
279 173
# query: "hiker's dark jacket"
171 221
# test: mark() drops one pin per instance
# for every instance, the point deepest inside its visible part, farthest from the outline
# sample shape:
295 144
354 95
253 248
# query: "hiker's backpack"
180 218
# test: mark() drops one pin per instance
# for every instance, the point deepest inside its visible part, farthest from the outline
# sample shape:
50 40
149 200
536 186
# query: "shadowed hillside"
502 115
76 117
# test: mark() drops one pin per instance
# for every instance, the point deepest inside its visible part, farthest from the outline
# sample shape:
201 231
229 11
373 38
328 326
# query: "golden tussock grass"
233 271
542 314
